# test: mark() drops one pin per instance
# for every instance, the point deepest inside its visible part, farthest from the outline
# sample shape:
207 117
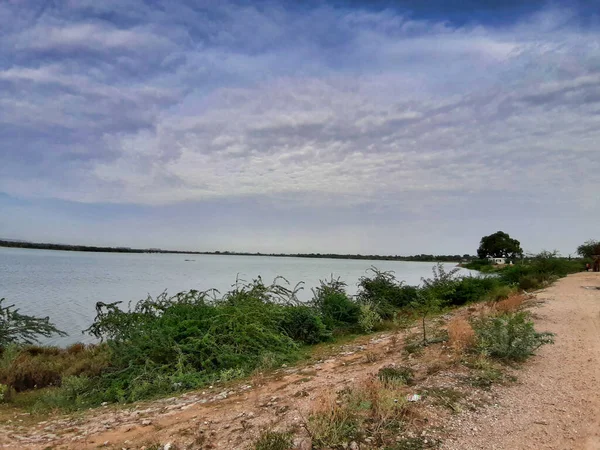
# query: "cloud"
316 106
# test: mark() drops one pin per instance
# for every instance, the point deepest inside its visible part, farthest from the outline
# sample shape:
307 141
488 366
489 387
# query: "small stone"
146 423
353 446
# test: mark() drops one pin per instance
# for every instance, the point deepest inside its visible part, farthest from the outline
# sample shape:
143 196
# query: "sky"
376 127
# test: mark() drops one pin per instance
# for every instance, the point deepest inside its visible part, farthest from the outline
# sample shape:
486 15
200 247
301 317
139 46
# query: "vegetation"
499 245
88 248
589 248
510 336
274 440
17 328
163 345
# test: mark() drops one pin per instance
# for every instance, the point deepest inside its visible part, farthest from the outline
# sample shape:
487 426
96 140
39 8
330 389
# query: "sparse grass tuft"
393 375
274 440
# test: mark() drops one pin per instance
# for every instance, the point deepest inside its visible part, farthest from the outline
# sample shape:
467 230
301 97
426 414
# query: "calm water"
67 285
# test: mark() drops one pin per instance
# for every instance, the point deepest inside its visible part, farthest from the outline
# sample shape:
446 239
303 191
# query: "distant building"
498 260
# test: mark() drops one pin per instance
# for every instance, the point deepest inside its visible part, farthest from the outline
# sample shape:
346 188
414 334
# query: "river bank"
549 402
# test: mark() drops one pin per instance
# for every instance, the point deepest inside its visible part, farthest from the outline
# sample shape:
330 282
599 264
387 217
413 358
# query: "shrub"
471 289
5 393
529 283
442 286
166 344
336 308
369 318
274 440
384 292
510 336
304 325
19 328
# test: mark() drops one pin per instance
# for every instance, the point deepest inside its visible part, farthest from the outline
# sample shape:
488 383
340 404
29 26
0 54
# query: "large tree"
589 249
499 245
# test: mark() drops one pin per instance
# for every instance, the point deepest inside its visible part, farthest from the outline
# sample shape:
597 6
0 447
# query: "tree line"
88 248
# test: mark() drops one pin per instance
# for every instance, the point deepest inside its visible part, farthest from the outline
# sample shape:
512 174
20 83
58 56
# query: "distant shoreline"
95 249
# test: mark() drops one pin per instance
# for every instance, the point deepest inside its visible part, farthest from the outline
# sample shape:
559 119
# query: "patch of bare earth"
553 404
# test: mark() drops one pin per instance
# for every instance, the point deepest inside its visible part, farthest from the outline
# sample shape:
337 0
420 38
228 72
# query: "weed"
368 318
336 308
332 424
461 334
392 375
447 397
510 336
274 440
486 372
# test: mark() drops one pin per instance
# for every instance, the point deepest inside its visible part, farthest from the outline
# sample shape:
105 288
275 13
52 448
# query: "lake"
66 285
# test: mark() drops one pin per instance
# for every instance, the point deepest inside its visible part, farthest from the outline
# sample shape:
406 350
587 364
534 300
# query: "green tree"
499 245
17 328
589 248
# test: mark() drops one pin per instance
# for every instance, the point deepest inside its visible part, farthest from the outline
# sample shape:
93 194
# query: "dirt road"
556 402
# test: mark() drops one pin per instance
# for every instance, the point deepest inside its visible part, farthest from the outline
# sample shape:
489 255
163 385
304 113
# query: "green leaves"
510 336
499 245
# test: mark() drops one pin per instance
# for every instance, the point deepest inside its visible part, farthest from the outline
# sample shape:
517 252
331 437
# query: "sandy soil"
555 404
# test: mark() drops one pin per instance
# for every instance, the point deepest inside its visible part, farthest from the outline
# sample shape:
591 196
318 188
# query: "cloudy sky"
346 126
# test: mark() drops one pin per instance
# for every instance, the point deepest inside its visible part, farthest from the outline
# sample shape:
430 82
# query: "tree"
17 328
499 245
589 248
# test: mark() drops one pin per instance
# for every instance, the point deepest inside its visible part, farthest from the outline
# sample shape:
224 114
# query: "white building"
498 260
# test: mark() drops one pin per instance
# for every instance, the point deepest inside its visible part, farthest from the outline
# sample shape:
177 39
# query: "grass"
461 334
274 440
396 375
373 410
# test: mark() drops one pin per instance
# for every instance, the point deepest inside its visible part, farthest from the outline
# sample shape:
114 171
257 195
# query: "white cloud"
262 104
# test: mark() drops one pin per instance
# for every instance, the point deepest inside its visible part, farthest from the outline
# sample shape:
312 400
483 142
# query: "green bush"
171 343
471 289
442 286
304 325
336 307
511 336
385 293
369 318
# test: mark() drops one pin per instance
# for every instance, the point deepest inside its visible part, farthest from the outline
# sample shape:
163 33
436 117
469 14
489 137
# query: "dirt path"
556 402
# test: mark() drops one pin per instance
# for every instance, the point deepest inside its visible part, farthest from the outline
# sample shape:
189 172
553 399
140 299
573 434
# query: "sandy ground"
555 404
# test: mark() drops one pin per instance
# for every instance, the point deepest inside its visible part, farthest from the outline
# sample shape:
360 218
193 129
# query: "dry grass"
511 304
36 367
460 334
373 409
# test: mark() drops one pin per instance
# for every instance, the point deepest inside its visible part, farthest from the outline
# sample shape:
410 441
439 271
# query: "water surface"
66 285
